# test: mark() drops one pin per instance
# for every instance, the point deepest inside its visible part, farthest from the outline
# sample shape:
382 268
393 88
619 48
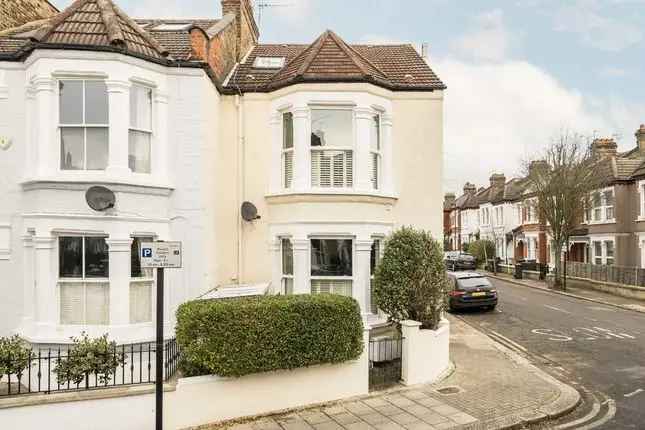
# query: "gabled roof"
90 24
466 201
331 59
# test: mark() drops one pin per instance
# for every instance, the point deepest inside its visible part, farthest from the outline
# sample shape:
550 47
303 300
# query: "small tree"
482 250
14 355
410 280
562 180
89 356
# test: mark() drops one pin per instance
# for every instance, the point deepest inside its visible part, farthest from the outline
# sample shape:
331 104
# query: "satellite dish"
249 211
100 198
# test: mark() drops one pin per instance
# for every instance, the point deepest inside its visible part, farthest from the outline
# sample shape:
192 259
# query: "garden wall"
192 401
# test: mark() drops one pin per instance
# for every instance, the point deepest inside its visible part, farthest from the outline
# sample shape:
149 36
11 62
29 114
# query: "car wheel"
492 308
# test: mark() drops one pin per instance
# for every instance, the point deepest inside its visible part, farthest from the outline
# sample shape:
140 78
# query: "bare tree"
561 181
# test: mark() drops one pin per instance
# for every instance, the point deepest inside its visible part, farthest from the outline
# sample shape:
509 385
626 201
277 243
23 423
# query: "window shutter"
71 303
331 286
288 168
375 159
140 302
97 297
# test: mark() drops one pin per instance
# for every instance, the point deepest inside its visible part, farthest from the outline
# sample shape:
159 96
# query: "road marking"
610 333
549 332
611 411
633 393
595 409
515 344
557 309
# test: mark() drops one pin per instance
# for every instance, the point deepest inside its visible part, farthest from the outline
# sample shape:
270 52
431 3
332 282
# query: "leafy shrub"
482 249
235 337
410 280
14 355
89 356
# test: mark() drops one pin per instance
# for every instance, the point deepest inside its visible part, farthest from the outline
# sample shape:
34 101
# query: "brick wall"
17 12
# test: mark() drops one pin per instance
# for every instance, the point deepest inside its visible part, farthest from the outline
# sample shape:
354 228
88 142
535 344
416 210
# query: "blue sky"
518 71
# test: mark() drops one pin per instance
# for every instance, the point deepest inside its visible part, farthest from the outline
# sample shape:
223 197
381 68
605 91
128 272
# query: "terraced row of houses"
612 231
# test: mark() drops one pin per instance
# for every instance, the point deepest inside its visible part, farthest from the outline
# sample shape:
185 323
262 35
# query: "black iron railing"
136 366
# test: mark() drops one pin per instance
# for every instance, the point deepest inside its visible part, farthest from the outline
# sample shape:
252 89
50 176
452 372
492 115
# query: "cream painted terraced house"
184 120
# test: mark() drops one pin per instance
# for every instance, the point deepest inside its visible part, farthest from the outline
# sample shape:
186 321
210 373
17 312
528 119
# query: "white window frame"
379 240
285 152
149 279
268 62
82 280
333 278
376 154
349 148
285 276
82 125
604 258
149 132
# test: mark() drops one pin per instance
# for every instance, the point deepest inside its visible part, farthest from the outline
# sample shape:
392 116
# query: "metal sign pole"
159 353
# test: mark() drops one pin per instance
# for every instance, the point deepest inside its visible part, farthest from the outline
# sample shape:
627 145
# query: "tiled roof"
94 23
330 59
177 42
466 201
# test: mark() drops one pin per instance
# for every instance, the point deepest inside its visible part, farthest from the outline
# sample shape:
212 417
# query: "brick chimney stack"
245 25
604 147
448 199
640 138
470 188
497 180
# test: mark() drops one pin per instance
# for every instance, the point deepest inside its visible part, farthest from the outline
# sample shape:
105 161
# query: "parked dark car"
470 290
457 260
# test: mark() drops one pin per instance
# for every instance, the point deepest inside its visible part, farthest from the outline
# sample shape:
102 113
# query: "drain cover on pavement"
449 390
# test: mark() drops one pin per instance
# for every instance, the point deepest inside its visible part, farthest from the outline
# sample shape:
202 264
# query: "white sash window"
140 133
287 266
83 280
375 152
331 266
141 282
332 155
84 124
287 149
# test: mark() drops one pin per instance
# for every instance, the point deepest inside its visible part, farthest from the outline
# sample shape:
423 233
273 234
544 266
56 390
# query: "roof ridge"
316 46
110 18
135 27
348 51
56 20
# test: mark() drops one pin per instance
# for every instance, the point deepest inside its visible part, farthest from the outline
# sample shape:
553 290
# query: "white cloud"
596 28
500 114
613 72
487 41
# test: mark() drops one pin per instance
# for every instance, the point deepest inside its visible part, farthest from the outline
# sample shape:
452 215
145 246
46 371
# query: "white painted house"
335 144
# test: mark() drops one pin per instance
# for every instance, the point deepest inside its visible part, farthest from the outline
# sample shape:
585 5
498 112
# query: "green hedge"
236 337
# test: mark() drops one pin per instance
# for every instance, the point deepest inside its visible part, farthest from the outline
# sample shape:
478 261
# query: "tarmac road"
600 347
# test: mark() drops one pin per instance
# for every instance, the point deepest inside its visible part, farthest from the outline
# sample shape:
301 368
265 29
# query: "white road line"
611 411
557 309
595 408
633 393
515 344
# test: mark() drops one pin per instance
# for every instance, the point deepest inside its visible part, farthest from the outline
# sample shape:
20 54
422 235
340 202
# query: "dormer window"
268 62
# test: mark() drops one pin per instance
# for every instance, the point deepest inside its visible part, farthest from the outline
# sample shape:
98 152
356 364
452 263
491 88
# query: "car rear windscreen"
472 283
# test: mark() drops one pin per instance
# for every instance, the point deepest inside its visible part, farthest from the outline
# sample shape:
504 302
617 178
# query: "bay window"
286 249
287 149
597 251
331 266
141 281
140 132
603 251
83 280
608 200
600 206
83 124
332 135
609 252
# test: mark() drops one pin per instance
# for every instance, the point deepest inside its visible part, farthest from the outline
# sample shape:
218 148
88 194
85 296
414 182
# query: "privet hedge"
236 337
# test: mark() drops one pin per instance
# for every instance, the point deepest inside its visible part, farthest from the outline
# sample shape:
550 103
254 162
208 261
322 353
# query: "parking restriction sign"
160 255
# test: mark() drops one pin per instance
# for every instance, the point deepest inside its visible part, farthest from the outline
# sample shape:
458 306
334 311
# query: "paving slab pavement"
490 388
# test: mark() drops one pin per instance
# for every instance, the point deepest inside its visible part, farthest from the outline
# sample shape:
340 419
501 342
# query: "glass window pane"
70 257
287 257
141 107
375 255
70 102
609 198
610 248
331 128
375 133
331 257
72 152
287 130
96 102
139 151
96 258
97 148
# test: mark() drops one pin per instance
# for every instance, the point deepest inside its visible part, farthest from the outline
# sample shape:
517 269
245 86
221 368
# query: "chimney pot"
424 50
604 147
640 138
